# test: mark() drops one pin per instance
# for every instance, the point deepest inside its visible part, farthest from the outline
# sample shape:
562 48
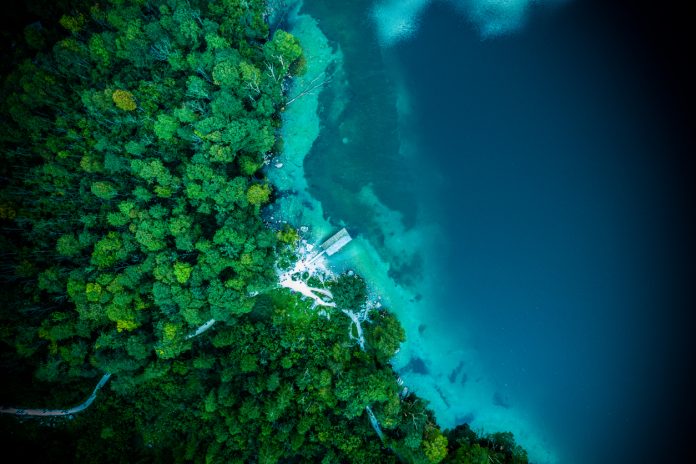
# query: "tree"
435 447
166 126
124 100
182 272
109 250
384 335
282 51
68 245
103 190
349 291
258 194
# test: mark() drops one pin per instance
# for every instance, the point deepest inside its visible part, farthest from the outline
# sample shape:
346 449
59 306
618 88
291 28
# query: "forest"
134 249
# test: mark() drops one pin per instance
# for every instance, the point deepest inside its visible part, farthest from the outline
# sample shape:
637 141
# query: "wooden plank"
337 245
336 242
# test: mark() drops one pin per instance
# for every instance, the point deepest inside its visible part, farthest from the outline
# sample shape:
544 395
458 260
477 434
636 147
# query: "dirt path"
59 412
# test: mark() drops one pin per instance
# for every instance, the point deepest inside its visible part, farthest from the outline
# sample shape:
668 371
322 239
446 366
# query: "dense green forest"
133 136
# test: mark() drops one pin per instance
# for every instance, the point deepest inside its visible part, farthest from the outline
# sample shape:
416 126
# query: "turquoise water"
514 179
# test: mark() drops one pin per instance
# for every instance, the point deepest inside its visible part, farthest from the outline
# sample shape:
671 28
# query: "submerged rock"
455 372
417 366
502 400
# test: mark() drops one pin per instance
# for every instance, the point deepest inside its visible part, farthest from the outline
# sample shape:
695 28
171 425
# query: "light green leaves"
226 75
258 194
283 50
166 126
108 251
182 272
103 190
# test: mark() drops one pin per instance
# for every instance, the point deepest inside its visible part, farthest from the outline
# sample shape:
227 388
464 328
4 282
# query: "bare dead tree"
318 82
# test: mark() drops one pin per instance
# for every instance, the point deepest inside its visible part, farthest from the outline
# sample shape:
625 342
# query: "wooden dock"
336 242
333 244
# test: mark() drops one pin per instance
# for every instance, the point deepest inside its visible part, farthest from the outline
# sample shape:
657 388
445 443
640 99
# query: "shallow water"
518 201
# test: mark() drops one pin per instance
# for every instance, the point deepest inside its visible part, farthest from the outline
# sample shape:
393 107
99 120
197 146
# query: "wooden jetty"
333 244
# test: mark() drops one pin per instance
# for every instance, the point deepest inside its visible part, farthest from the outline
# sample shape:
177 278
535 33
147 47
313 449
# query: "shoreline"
413 302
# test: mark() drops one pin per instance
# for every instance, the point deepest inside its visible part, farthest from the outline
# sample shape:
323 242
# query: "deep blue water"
560 161
560 158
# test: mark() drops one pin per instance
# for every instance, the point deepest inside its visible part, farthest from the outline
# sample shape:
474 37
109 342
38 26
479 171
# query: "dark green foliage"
152 219
132 135
466 447
384 335
349 291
